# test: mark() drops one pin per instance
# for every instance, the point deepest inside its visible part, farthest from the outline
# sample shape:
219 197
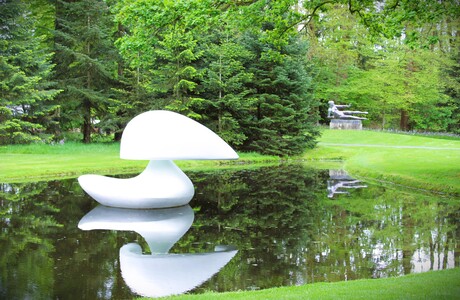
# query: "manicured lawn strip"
384 138
443 284
430 169
23 163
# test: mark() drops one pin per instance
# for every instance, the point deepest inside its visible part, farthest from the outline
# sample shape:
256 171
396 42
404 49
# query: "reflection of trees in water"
44 255
382 231
24 250
267 214
283 240
286 230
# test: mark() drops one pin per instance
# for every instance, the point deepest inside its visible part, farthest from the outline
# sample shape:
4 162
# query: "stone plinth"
346 124
339 175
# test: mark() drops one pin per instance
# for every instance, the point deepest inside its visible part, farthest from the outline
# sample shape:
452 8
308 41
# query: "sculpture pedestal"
346 124
162 184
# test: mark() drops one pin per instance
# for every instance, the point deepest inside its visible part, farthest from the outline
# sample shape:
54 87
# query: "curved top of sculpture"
166 135
160 275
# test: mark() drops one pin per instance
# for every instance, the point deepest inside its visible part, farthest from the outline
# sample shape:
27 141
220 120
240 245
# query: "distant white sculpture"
333 112
159 136
159 273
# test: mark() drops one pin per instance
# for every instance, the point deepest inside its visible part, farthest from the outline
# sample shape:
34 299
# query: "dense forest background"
257 72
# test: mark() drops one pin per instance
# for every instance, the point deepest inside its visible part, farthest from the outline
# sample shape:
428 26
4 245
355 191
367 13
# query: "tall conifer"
86 61
284 115
27 110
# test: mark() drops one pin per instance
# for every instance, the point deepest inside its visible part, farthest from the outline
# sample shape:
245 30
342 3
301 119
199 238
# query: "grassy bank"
431 285
22 163
420 162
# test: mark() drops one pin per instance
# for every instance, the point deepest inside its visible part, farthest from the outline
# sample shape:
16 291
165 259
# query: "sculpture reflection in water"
340 182
160 273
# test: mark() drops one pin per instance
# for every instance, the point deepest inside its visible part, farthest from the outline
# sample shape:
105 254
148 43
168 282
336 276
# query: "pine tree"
223 84
162 44
86 60
27 109
282 121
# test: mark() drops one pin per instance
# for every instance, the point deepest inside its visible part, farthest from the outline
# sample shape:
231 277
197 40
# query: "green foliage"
281 120
225 98
86 61
399 84
255 96
452 89
162 45
114 59
27 109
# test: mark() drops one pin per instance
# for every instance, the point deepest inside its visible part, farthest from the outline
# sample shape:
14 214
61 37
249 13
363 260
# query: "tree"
225 97
339 49
401 87
400 82
27 108
283 117
162 40
200 66
353 40
453 90
86 62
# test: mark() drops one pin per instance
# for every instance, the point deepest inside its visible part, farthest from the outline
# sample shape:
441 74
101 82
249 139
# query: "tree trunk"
87 132
117 136
404 120
86 104
86 123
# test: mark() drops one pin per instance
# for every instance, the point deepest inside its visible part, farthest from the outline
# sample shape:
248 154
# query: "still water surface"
244 230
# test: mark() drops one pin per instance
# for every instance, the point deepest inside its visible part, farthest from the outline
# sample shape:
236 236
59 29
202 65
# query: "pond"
244 230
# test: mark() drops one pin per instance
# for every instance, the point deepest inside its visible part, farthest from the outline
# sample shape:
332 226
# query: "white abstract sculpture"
161 228
170 274
160 273
159 136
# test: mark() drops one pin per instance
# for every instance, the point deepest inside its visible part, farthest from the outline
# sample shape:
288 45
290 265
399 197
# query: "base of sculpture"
346 124
160 228
162 184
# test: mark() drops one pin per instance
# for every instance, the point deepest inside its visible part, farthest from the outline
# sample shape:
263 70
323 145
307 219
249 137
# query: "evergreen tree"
282 121
86 62
254 92
27 109
162 43
453 90
225 96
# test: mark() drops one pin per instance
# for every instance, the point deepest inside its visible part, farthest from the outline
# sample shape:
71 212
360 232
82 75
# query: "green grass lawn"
420 162
432 163
22 163
431 285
